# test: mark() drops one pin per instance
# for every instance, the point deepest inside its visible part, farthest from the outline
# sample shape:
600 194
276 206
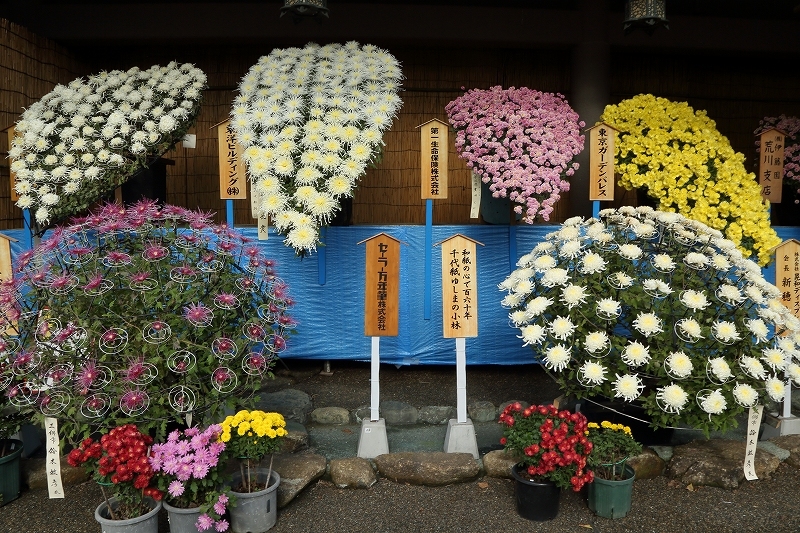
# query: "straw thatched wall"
30 66
390 192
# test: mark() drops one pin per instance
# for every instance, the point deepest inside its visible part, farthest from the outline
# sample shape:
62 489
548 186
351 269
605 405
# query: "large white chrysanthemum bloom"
672 397
628 387
714 403
557 357
679 365
593 373
635 354
596 342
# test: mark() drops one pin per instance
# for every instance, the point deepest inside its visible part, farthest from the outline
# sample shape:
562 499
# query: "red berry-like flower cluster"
119 457
552 444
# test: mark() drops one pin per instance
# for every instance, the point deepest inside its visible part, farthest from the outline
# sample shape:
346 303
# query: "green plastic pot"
611 499
9 470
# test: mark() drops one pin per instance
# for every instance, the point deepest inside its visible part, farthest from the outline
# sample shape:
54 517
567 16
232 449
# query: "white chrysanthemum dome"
655 309
320 113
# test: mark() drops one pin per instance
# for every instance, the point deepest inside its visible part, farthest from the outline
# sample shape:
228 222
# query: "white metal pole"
461 379
374 414
787 401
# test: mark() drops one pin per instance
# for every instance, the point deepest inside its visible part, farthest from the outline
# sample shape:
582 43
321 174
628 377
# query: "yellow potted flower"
249 436
609 495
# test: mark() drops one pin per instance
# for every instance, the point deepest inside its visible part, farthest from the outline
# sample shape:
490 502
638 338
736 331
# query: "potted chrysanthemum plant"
189 472
249 437
610 493
142 313
118 462
11 420
310 120
653 309
553 450
519 141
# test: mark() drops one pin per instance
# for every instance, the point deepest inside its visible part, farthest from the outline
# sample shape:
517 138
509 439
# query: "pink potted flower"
188 470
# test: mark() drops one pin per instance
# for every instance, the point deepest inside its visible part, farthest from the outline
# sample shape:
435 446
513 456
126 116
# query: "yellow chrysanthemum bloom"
679 157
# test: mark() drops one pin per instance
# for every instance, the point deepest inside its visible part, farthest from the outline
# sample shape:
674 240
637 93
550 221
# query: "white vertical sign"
753 425
53 460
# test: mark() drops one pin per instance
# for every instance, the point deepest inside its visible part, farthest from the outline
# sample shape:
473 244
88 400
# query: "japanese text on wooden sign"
459 288
770 165
232 180
753 425
787 274
7 273
601 162
382 294
433 154
13 175
53 458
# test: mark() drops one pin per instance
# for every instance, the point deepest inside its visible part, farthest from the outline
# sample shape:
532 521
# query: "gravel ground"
767 505
485 505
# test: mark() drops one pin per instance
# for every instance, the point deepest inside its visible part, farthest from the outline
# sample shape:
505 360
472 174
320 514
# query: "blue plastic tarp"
328 288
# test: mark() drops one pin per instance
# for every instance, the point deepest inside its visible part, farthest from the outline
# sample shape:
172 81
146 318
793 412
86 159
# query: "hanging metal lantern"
305 8
646 14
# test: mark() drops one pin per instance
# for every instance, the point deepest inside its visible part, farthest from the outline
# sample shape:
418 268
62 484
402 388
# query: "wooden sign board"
6 268
255 199
13 176
5 256
263 229
232 179
382 288
787 274
770 165
601 162
459 287
434 146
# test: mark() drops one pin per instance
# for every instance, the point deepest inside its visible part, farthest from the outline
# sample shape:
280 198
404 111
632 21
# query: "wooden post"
433 150
6 271
787 279
381 319
459 287
601 162
10 132
381 294
459 321
232 181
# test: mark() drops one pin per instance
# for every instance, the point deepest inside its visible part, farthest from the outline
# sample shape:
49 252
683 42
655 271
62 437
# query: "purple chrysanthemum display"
141 312
186 467
521 142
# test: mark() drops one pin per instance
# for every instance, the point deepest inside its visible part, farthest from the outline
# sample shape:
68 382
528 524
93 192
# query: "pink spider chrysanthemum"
198 314
88 374
154 251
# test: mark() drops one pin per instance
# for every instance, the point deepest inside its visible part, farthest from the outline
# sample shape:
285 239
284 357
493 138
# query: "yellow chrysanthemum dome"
684 163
